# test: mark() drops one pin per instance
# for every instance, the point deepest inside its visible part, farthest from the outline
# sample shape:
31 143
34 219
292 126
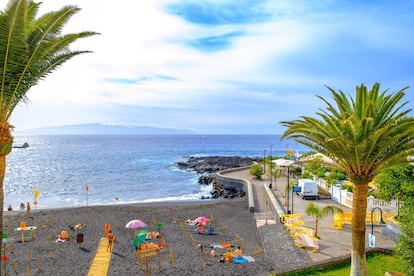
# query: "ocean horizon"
120 169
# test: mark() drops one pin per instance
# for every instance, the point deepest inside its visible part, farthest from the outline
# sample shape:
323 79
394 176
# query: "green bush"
307 174
257 171
347 187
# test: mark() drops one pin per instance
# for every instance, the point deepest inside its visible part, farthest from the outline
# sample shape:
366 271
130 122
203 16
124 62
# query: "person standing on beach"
111 239
28 209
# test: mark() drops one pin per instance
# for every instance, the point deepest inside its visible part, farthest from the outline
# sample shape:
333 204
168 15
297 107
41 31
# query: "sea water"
120 168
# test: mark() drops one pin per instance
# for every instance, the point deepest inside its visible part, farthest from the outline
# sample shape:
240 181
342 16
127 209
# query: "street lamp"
288 186
371 237
372 219
271 167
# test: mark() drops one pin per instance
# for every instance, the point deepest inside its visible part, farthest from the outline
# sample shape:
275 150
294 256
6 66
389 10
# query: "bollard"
38 264
27 271
172 258
15 266
30 254
50 253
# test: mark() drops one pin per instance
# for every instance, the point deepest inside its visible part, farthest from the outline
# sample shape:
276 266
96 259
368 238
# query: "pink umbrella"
136 223
203 220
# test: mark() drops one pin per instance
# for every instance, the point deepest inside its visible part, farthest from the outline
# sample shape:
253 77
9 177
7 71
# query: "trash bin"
79 238
289 212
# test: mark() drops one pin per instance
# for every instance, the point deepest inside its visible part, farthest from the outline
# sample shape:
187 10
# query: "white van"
309 188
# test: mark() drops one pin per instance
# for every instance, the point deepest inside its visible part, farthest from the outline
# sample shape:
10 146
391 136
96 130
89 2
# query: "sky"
220 66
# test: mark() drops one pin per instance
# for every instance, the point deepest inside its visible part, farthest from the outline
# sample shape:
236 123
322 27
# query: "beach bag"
79 238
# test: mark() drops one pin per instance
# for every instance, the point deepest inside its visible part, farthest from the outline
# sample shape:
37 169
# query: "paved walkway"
278 245
100 263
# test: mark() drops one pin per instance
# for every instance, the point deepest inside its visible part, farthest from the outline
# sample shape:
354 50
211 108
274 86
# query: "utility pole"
271 167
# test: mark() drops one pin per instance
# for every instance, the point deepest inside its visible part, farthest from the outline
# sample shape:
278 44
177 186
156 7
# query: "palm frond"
31 49
362 134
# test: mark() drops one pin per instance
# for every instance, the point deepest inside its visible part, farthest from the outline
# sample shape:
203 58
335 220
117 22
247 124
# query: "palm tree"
315 211
275 174
288 188
362 135
30 49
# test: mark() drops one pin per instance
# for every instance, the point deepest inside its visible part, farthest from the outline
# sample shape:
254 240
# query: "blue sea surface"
120 168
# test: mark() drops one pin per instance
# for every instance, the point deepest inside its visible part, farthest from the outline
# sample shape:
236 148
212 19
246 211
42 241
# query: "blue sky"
220 67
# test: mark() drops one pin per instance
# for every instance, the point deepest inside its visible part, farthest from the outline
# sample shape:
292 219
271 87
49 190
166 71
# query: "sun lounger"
303 241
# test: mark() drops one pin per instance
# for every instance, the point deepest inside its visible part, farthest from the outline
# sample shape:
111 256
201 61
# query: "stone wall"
241 185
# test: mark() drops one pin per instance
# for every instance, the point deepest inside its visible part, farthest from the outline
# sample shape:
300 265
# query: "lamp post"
372 218
288 211
371 238
271 167
264 161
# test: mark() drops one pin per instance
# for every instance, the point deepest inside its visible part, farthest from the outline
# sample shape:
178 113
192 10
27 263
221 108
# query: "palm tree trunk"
316 227
6 143
359 210
2 172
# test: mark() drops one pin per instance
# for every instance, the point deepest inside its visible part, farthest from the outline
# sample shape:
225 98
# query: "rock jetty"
207 166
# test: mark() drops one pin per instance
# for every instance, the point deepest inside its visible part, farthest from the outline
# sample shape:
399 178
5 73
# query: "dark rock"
207 167
212 164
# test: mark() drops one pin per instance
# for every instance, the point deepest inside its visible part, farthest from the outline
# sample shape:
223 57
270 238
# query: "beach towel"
243 259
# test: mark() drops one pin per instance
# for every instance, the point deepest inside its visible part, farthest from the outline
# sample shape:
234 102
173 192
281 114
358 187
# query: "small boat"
25 145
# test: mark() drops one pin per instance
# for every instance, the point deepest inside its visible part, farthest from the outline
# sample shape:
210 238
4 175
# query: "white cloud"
144 69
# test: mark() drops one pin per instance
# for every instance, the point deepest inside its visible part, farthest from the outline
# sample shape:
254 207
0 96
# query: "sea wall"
241 185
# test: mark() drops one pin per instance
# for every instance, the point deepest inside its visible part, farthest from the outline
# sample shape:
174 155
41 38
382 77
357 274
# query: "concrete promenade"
279 246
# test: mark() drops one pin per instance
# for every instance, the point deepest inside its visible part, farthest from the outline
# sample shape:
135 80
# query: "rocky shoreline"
208 166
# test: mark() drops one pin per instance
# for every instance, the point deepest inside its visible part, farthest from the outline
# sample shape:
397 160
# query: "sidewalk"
334 244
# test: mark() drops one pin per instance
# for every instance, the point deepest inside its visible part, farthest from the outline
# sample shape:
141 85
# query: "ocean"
119 169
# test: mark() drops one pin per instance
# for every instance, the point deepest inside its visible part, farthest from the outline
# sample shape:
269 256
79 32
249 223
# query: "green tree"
405 247
288 188
276 172
257 171
315 211
30 49
396 182
362 135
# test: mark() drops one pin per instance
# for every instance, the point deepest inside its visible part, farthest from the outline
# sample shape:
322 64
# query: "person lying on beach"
221 245
75 227
190 221
63 236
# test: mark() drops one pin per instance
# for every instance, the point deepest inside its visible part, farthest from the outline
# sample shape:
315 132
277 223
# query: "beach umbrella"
140 238
136 223
203 220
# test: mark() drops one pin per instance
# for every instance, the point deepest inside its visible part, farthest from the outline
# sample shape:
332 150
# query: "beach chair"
304 240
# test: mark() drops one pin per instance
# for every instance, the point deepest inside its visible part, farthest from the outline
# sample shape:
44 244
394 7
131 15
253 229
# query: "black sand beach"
41 255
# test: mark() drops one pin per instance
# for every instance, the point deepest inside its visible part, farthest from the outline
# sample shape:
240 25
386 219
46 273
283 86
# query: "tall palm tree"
315 211
30 49
362 135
